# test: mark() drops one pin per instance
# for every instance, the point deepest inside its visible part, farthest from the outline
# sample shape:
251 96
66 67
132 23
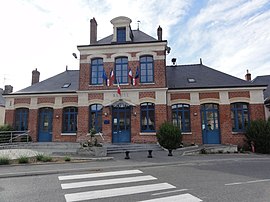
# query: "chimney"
159 33
8 89
35 76
93 31
248 76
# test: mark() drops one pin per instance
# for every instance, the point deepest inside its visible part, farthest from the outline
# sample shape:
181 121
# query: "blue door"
121 123
45 125
210 124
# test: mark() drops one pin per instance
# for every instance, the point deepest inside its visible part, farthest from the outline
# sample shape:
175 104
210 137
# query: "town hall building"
125 90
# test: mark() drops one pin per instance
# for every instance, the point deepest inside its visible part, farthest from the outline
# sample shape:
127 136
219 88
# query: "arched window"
121 70
21 119
147 117
70 119
95 117
239 116
146 69
97 71
181 116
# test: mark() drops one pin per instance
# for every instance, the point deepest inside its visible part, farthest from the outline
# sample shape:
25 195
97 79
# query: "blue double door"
210 124
121 124
45 124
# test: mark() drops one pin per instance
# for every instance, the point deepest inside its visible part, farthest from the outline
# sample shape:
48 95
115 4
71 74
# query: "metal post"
127 155
150 154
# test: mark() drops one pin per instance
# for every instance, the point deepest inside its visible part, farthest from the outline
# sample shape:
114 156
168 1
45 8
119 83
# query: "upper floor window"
146 69
181 116
147 117
239 116
121 70
97 71
21 119
121 34
96 117
70 119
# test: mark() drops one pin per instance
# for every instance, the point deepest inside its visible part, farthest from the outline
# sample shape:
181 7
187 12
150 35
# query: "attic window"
66 85
121 34
191 80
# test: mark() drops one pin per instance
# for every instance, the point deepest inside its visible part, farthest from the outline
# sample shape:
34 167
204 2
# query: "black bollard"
127 155
150 154
170 152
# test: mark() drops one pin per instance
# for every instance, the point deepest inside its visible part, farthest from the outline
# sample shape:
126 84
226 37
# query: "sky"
231 36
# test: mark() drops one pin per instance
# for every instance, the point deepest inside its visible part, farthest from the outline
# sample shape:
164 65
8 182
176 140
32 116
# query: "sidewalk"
137 159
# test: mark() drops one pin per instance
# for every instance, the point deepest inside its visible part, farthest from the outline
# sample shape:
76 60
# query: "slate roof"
138 37
263 80
205 77
55 84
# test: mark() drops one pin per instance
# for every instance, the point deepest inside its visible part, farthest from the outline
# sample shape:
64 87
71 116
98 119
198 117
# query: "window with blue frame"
21 119
147 117
121 70
70 119
97 71
95 117
146 69
239 116
181 116
121 34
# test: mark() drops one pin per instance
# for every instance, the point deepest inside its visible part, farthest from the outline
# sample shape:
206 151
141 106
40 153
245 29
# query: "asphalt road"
239 179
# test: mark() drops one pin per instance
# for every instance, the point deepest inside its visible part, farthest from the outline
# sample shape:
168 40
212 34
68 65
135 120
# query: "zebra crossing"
146 183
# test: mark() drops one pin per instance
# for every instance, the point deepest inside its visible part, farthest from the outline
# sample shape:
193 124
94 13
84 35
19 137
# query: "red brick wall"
209 95
239 94
9 117
107 128
95 96
57 124
175 96
83 123
69 99
196 129
257 111
147 94
33 124
22 101
45 100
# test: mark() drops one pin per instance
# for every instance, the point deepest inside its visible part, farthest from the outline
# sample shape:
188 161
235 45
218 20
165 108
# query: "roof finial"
201 61
138 28
66 67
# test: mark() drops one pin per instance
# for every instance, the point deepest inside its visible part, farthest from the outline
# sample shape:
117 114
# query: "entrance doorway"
45 125
121 123
210 124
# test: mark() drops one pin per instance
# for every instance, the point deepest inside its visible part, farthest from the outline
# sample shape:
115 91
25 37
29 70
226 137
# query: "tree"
169 137
258 135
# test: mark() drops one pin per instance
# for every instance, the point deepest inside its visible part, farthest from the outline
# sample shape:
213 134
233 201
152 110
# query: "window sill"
238 133
187 133
147 133
68 134
96 85
147 83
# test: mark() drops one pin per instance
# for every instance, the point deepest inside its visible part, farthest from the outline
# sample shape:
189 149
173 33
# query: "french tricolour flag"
111 78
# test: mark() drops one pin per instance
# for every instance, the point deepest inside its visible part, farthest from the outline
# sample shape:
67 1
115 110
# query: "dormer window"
121 34
121 30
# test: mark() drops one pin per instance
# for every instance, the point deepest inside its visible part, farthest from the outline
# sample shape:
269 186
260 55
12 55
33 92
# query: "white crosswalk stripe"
119 177
177 198
107 182
117 192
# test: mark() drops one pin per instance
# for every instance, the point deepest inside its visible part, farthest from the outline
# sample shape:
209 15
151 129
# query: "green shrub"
46 159
4 160
23 159
258 134
67 158
6 128
169 136
43 158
